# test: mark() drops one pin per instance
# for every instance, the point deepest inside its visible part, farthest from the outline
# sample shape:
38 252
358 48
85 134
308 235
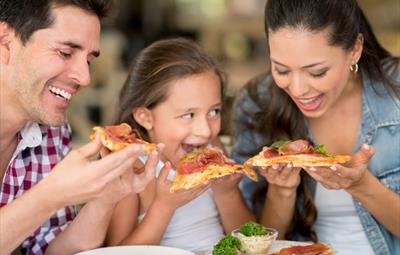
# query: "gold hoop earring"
354 68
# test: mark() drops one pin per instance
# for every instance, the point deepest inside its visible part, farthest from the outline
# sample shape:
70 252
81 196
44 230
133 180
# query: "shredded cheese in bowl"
256 245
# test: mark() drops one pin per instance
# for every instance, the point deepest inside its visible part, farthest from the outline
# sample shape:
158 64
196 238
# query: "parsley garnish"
278 144
227 246
321 149
253 229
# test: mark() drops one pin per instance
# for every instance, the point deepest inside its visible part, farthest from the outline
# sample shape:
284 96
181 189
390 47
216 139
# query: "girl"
333 83
173 95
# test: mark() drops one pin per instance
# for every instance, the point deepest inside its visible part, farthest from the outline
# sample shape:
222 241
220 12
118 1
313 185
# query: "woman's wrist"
363 185
281 192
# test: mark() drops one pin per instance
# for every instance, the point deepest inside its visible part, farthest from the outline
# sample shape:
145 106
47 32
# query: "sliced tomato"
204 157
189 168
270 153
296 147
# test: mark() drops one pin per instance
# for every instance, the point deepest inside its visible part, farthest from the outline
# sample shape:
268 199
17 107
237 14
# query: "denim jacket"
380 127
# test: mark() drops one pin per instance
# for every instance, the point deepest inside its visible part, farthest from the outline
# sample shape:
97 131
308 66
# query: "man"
46 47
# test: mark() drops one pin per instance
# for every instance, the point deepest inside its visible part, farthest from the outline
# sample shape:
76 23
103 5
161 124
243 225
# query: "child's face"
189 117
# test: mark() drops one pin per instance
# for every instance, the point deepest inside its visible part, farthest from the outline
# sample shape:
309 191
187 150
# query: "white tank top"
195 226
338 223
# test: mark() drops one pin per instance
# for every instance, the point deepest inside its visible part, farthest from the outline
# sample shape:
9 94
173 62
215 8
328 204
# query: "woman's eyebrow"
304 67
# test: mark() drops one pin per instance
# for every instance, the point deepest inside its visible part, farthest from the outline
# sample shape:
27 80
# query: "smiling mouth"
60 93
310 104
190 147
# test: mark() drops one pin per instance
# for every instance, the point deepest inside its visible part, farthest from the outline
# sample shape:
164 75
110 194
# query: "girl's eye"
319 74
65 54
187 116
215 112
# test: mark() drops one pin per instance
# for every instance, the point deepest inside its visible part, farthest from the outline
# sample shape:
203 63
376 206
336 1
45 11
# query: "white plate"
137 249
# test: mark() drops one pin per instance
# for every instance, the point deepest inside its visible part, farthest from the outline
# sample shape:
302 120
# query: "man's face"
46 72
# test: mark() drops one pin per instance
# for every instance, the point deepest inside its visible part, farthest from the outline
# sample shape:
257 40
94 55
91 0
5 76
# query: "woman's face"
313 73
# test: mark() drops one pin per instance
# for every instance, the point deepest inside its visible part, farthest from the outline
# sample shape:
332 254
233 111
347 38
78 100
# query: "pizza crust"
298 160
188 181
117 145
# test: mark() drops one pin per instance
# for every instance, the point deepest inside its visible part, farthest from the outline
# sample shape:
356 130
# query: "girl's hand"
225 184
282 175
178 198
341 177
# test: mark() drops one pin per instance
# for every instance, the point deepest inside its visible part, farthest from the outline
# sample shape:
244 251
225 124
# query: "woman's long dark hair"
279 117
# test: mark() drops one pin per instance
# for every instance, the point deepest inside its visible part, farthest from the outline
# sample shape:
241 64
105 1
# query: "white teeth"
60 92
307 101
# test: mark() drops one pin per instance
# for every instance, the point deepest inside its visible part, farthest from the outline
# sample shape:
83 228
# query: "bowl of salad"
250 239
255 238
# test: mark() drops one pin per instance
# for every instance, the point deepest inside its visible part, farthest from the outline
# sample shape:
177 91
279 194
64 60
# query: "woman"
332 83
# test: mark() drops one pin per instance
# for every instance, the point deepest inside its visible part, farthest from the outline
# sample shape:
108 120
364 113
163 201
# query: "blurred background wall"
231 31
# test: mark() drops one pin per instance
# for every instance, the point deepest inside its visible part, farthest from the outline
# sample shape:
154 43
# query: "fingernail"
289 165
333 168
312 169
366 146
274 167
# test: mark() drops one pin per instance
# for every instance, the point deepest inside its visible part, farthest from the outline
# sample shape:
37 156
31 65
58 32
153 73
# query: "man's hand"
78 179
134 180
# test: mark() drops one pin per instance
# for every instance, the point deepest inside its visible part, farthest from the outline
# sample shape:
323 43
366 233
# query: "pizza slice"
117 137
312 249
203 164
299 153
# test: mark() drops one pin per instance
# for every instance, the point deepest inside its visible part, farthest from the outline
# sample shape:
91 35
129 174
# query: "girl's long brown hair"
152 71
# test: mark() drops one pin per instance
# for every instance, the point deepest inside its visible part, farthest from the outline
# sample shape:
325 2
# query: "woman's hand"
341 177
178 198
282 175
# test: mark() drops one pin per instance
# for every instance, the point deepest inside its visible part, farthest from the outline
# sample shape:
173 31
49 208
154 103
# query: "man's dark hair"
28 16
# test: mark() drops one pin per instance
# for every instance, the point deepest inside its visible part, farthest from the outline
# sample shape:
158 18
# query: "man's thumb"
91 149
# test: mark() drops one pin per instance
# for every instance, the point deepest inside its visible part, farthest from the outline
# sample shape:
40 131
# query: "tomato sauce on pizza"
312 249
300 153
117 137
203 164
